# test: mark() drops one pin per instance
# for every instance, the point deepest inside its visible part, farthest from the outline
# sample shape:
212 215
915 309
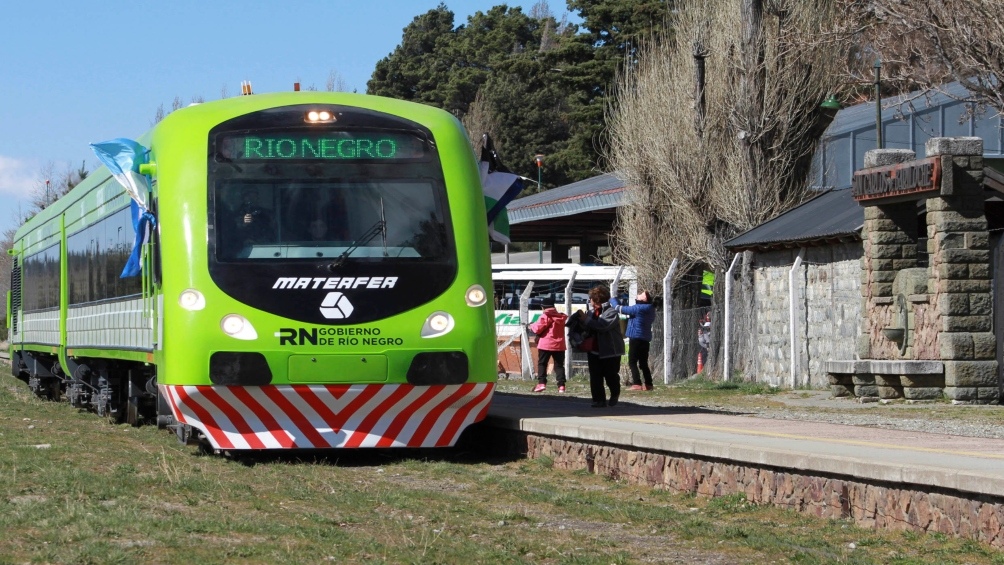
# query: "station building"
896 288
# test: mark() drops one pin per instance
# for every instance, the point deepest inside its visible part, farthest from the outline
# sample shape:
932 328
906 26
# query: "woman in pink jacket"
550 330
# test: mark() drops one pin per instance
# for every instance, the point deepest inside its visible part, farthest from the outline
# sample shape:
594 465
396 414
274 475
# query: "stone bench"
878 379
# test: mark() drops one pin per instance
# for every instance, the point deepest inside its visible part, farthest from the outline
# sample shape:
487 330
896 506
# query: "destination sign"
327 146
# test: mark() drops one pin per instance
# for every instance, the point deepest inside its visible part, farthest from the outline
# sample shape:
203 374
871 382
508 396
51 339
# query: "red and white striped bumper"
317 416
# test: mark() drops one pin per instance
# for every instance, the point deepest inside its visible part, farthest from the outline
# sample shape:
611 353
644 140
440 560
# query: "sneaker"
561 388
540 387
649 387
636 387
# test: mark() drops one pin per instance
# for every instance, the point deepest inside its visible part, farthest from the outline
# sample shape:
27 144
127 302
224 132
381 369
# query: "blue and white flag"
142 223
123 158
500 187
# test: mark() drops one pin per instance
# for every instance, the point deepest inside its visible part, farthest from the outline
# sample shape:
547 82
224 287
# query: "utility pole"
539 158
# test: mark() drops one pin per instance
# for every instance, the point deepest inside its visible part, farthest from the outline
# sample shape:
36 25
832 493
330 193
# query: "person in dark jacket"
550 330
639 334
603 322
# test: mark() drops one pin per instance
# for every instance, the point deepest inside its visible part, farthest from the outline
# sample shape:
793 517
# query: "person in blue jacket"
639 333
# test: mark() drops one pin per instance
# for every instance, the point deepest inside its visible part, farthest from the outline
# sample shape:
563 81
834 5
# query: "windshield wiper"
378 228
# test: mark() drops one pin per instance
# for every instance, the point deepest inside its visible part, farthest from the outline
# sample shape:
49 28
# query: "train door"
152 300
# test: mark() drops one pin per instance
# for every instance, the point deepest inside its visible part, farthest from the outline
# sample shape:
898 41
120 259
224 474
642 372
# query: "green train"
315 275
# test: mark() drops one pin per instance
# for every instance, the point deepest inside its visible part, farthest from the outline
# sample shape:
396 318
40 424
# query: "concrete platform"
951 484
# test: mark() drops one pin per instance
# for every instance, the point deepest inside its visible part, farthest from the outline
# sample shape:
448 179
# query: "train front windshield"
357 199
379 220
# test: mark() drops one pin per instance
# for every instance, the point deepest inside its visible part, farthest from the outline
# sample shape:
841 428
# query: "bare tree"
541 10
178 104
51 183
336 82
714 128
707 160
479 120
6 242
923 44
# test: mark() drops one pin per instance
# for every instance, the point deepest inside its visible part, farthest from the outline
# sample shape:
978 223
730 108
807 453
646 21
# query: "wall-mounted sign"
901 179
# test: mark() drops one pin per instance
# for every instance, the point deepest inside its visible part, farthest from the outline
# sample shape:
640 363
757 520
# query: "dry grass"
115 494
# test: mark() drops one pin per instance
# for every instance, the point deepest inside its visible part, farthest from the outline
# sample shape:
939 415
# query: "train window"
96 256
40 280
376 220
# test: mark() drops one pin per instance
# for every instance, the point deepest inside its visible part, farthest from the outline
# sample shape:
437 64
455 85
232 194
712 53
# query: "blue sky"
73 73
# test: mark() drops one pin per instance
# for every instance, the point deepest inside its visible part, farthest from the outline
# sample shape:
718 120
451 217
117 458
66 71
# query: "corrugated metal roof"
894 108
831 214
598 193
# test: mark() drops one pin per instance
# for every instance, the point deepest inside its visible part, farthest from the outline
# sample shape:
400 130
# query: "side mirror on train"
148 169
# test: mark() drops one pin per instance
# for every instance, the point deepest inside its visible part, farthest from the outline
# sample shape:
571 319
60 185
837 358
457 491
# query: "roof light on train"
437 324
476 296
319 116
237 326
192 300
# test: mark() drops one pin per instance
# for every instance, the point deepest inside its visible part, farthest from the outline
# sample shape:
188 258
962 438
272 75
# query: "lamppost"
539 158
46 192
878 103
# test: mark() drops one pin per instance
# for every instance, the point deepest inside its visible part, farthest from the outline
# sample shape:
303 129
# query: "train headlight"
192 299
237 326
319 117
476 296
437 324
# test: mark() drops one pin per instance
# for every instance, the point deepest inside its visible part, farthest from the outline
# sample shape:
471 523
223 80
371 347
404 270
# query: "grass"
115 494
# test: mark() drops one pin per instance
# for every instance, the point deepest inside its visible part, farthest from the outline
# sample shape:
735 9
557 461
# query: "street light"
46 192
878 103
539 159
831 103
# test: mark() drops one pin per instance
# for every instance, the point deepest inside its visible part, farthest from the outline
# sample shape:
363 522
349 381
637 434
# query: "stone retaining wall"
869 504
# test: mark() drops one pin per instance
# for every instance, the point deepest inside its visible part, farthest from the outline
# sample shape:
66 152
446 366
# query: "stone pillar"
889 245
960 281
